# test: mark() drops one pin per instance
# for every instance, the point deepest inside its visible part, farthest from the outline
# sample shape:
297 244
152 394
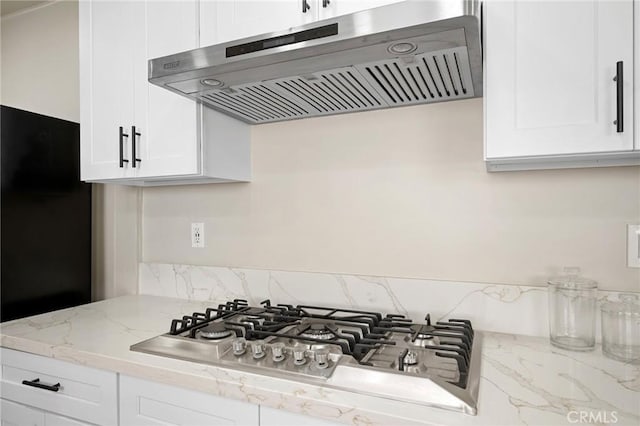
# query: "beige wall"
405 193
39 71
40 60
400 193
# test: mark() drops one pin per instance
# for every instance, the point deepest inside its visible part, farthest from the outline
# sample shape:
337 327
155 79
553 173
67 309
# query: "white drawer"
84 393
12 414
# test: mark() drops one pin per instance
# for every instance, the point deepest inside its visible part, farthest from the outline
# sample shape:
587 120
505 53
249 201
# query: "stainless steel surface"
362 67
391 356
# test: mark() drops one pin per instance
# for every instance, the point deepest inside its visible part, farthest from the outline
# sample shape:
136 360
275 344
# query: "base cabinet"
14 414
273 417
148 403
87 396
57 391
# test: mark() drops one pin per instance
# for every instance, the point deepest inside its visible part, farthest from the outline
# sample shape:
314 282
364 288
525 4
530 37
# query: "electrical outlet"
197 235
633 246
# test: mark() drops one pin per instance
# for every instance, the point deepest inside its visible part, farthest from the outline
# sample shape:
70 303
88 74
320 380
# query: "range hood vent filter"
425 78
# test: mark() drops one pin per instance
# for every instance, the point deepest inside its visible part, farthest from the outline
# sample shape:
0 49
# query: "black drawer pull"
122 136
305 6
619 98
134 154
36 384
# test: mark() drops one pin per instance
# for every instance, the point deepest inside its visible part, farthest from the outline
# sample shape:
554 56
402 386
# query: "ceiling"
12 6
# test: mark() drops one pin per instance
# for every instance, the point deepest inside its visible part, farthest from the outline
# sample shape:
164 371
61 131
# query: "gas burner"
214 331
318 330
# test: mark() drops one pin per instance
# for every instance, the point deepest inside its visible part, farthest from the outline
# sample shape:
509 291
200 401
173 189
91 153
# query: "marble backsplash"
491 307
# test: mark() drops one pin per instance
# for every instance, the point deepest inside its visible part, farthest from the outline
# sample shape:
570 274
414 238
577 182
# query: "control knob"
239 346
299 355
257 349
277 351
322 358
411 358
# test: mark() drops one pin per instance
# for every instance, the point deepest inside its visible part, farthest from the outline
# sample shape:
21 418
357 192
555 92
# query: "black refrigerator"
45 219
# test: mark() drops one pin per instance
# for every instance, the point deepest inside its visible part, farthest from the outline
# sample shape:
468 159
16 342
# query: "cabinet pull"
619 79
134 157
122 136
305 6
37 384
326 3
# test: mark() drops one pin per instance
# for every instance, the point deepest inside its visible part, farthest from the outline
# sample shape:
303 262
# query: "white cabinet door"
226 20
168 143
51 419
331 8
106 87
636 64
549 77
149 403
14 414
272 417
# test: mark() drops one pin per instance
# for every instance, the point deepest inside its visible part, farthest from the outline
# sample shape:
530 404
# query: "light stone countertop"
524 380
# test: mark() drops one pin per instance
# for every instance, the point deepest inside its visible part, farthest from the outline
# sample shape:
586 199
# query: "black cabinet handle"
619 79
122 136
326 3
305 6
134 157
37 384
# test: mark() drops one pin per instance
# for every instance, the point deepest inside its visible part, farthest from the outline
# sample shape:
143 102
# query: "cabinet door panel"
106 86
148 403
344 7
549 77
13 414
636 64
168 143
227 20
51 419
272 417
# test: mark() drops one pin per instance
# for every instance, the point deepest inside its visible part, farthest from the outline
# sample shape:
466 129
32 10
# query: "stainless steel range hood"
408 53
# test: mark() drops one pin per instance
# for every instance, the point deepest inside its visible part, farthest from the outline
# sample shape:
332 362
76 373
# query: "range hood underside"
346 76
434 77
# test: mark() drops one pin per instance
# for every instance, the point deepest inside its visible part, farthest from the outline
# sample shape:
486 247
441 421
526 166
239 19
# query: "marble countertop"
524 380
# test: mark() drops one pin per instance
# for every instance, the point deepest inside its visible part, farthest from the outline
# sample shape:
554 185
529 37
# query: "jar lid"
627 304
571 279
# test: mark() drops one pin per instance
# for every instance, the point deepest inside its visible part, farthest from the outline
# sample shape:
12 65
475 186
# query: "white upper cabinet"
330 8
133 132
549 78
168 124
107 89
636 63
226 20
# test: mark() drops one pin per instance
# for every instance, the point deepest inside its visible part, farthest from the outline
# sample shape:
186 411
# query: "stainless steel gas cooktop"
388 356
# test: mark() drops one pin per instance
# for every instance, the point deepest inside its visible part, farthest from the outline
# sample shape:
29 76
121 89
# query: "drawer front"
148 403
56 420
83 393
13 414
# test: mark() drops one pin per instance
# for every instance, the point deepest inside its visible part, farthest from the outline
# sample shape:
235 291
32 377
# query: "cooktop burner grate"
337 346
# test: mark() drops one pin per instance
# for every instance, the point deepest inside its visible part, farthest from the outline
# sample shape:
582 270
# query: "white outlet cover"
633 246
197 235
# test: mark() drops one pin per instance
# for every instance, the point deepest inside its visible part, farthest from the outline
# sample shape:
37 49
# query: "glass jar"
621 328
572 311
